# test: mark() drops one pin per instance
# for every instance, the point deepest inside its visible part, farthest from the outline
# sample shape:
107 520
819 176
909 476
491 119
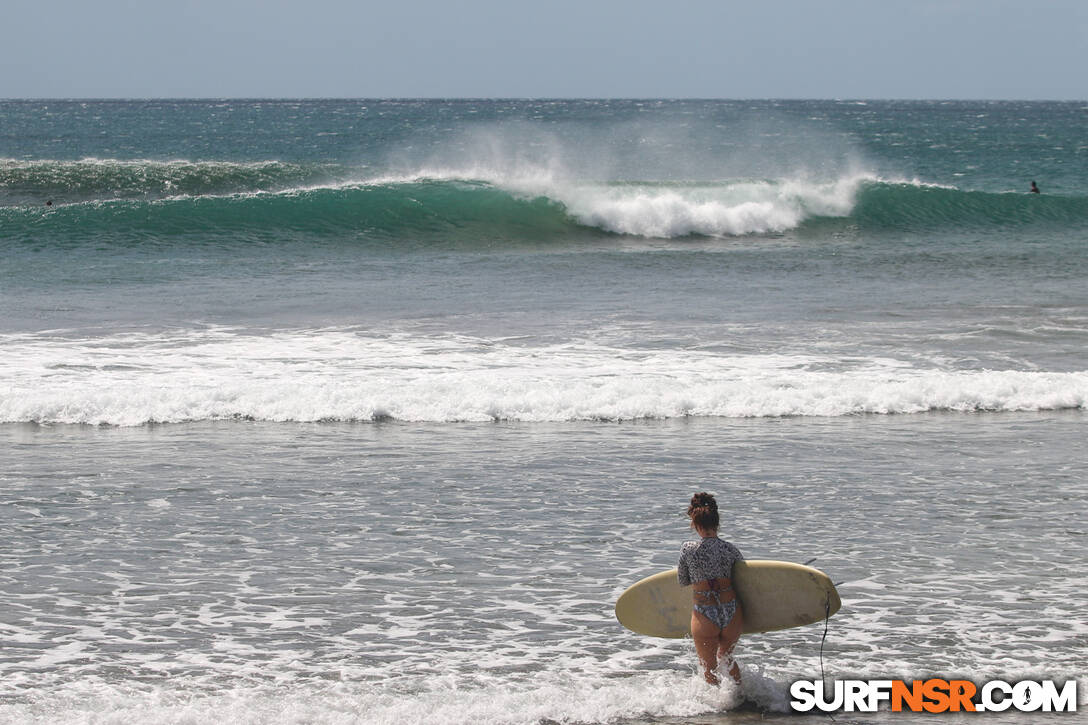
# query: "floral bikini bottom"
719 612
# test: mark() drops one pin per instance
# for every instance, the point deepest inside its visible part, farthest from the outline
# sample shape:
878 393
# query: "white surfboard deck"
774 595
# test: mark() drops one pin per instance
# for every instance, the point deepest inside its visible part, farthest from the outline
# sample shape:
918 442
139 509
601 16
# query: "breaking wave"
119 200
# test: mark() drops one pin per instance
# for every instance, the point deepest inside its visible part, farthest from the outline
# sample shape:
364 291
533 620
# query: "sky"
865 49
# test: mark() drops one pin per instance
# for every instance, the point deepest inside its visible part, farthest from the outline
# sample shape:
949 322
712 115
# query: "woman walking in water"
707 565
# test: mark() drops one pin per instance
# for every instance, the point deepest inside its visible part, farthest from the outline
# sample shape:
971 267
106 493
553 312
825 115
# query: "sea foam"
346 375
728 209
551 698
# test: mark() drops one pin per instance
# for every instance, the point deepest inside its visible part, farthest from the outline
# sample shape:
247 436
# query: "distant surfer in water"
707 565
1034 188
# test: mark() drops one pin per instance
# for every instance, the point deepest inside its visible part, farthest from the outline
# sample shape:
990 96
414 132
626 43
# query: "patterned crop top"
711 558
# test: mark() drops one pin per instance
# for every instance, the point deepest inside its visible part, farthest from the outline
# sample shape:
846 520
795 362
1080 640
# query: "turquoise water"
358 411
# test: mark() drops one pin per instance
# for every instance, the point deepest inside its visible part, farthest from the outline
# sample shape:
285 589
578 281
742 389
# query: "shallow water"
393 572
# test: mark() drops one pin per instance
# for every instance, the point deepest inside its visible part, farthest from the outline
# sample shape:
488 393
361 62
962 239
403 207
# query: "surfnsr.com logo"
934 695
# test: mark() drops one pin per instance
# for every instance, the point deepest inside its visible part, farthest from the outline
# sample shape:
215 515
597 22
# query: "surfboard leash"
823 639
823 677
827 620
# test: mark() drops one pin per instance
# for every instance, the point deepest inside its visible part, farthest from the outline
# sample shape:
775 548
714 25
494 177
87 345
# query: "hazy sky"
1029 49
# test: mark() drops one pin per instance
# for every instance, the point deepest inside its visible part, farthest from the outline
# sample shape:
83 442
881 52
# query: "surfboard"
774 594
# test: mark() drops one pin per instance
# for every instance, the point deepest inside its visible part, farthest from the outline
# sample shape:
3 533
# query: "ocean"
366 411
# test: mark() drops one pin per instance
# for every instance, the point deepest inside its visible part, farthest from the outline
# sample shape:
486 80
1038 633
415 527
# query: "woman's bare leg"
707 638
727 639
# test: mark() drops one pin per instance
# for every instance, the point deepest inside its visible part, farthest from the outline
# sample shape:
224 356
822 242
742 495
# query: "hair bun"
704 499
703 510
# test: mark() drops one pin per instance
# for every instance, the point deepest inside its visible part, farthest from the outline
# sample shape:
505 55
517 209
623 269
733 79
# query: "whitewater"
343 375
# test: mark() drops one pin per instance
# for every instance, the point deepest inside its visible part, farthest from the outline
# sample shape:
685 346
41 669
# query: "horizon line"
834 99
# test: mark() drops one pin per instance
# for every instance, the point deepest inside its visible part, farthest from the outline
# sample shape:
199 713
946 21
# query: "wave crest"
95 179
